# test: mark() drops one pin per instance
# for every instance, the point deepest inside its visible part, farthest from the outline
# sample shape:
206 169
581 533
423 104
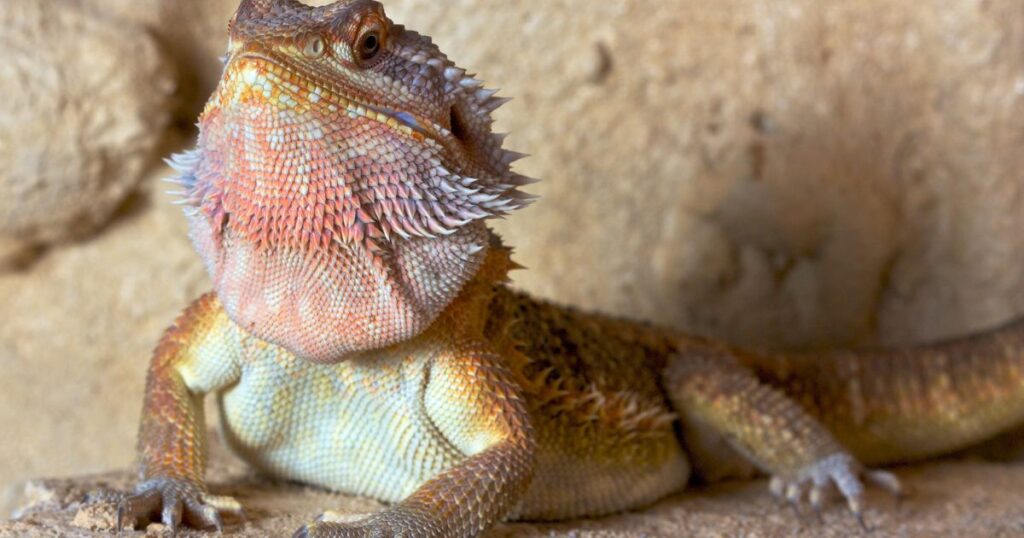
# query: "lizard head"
343 174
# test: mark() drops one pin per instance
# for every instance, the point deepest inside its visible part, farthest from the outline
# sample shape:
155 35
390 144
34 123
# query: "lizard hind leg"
719 400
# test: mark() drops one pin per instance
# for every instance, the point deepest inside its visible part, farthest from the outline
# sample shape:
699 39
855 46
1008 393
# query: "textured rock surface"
76 332
957 499
781 173
80 119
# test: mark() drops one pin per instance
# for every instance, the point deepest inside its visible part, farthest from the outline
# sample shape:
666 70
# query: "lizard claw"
176 501
839 471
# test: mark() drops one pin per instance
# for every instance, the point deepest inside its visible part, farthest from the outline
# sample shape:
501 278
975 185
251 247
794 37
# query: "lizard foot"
841 471
176 501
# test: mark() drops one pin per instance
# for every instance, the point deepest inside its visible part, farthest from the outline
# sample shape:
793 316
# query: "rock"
193 32
952 498
79 122
787 174
96 517
76 331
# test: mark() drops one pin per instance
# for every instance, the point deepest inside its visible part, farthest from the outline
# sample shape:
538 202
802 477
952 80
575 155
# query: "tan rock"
76 331
80 119
194 32
784 173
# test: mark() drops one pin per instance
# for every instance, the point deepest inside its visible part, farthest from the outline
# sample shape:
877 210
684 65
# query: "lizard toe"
176 501
839 472
134 507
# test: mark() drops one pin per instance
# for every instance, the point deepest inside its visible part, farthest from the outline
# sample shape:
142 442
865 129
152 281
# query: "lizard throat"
331 226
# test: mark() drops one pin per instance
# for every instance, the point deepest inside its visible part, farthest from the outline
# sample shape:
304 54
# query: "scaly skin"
361 337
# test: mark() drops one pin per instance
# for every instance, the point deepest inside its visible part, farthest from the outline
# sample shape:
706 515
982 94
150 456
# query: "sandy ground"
954 498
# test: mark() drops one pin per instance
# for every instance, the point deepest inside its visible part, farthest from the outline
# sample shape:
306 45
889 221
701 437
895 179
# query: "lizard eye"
314 47
369 44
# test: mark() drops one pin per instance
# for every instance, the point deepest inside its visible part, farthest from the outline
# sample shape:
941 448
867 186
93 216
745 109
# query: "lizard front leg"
711 390
471 401
194 357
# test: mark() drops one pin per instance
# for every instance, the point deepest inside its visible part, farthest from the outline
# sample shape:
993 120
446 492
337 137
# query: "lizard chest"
351 427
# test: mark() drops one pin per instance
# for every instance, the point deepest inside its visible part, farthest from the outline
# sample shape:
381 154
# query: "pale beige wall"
797 173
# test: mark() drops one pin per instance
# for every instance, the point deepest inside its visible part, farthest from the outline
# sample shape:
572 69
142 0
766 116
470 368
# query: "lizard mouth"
281 82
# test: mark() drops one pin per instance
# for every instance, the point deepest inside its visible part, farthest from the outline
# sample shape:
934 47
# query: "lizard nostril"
457 125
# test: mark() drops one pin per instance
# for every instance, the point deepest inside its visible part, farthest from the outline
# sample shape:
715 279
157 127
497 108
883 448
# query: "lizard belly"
339 427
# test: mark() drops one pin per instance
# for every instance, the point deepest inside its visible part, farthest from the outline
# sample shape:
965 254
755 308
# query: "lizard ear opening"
457 125
314 47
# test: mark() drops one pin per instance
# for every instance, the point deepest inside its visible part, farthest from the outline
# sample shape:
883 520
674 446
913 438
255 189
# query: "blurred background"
796 174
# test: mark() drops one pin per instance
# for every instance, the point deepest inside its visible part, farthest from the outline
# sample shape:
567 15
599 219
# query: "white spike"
470 84
472 214
495 103
454 73
179 181
474 249
437 228
190 156
500 207
446 187
419 229
484 198
436 63
402 233
437 211
178 166
453 223
484 94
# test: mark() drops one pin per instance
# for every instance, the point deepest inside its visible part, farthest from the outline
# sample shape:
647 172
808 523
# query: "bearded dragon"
361 335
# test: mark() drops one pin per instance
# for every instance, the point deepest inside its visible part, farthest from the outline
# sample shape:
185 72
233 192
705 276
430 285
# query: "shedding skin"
361 336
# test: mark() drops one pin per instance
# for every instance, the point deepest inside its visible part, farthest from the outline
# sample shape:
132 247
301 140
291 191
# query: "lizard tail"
912 403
